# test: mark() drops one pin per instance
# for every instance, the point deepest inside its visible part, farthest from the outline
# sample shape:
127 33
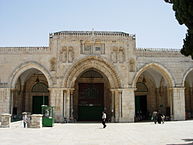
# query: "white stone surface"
170 133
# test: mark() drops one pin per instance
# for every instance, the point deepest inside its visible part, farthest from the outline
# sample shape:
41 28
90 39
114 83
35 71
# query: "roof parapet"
106 33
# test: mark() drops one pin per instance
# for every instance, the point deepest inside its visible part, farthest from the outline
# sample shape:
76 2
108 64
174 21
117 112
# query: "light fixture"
144 81
37 80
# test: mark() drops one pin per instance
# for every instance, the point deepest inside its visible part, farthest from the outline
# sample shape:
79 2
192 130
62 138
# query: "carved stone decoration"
121 55
114 55
53 64
63 55
70 55
92 47
132 65
81 46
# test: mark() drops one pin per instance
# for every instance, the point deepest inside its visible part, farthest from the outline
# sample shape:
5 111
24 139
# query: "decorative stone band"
24 50
156 52
3 85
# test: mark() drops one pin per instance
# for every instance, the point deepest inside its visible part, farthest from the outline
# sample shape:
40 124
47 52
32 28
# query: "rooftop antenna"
92 34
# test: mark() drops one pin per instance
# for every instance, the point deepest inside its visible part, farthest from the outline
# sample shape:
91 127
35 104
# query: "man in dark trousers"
104 116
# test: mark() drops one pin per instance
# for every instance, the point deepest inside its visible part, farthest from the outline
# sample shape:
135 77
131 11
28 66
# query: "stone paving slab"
170 133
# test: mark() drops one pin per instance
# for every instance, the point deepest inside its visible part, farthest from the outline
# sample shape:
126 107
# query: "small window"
87 47
97 49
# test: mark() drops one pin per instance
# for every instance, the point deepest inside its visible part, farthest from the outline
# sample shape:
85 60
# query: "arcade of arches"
92 94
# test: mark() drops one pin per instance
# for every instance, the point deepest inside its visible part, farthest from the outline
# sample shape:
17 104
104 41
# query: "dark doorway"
90 101
141 108
37 102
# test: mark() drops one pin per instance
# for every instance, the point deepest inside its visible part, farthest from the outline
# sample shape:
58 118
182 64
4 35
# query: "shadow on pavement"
186 140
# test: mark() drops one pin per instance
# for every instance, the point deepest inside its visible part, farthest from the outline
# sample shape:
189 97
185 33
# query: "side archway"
29 82
190 70
187 83
153 83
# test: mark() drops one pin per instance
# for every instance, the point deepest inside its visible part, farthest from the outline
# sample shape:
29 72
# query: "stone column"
5 120
5 104
67 103
56 100
190 98
113 106
127 112
170 98
157 99
117 105
179 103
36 121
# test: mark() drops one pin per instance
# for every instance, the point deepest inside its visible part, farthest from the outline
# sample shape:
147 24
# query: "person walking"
25 119
163 118
104 117
159 117
154 116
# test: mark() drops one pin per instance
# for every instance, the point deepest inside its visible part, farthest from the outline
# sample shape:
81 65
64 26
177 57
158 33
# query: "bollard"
36 121
5 120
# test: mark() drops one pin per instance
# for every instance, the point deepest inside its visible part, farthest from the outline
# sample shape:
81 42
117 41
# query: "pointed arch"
95 62
185 75
26 66
166 74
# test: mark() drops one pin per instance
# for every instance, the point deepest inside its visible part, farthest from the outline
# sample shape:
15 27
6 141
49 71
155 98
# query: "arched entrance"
188 84
92 95
75 75
153 93
29 93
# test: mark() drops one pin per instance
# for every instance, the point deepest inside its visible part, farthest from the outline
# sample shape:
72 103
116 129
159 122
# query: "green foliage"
188 45
184 14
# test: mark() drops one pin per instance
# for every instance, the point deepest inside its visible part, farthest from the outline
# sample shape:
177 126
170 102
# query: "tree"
184 14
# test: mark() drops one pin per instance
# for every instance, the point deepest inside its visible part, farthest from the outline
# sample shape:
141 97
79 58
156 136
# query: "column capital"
177 88
60 88
122 89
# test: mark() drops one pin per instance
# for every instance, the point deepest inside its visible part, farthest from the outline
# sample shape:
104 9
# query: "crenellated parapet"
24 50
156 52
91 33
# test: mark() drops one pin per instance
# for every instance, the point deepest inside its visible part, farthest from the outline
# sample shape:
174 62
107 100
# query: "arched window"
40 88
91 74
141 87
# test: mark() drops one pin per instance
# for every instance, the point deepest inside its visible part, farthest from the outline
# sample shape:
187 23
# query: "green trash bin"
48 116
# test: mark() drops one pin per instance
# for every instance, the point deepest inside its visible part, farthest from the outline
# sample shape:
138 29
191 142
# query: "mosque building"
82 73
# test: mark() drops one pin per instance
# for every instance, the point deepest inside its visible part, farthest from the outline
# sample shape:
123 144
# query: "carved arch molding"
91 62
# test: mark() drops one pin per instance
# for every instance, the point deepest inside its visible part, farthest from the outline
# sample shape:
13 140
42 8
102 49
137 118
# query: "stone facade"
161 76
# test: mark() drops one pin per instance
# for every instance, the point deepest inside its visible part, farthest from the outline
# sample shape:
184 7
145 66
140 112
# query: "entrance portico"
95 74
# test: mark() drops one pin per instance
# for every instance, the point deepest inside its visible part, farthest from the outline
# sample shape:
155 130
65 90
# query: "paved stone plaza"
177 133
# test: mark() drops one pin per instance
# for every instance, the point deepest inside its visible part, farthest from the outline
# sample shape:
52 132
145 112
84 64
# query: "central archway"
103 78
92 95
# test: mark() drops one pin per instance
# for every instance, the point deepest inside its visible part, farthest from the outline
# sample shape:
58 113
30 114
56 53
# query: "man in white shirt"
104 116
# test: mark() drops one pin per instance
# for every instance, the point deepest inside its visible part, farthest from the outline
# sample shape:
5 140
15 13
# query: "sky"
29 22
